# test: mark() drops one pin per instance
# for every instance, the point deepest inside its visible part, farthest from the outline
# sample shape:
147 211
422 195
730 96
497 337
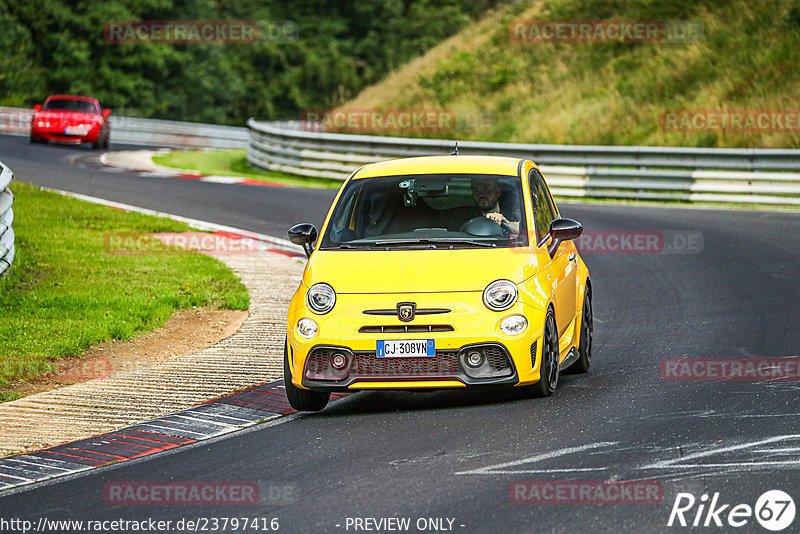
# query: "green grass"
234 163
66 293
607 93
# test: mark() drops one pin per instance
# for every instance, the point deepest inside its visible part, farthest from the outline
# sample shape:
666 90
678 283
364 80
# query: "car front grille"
441 365
405 329
366 365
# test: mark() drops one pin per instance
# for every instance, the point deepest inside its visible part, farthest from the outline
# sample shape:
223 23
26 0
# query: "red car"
71 119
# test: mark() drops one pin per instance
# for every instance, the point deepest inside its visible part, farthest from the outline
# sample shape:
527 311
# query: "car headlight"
307 328
321 298
500 295
513 325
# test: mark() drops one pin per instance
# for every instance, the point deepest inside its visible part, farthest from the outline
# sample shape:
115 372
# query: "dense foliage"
52 46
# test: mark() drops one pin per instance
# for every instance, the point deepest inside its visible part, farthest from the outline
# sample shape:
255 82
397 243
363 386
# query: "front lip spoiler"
344 386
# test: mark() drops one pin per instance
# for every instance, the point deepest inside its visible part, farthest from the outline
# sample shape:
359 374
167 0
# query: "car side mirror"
563 230
304 235
37 107
106 113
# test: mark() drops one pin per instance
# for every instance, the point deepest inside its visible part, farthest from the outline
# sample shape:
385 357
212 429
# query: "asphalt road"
456 454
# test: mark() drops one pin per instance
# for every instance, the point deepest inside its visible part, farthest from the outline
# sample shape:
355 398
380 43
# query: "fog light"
513 325
338 361
307 328
474 359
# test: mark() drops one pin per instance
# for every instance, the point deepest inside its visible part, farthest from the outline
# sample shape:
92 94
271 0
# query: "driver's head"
485 192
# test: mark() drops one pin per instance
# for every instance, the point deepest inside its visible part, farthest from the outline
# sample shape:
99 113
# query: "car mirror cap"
37 107
563 230
304 234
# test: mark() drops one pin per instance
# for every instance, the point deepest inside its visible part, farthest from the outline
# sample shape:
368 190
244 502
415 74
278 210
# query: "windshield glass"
429 211
70 105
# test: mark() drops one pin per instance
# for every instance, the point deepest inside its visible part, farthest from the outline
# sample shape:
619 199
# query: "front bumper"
58 135
447 368
466 324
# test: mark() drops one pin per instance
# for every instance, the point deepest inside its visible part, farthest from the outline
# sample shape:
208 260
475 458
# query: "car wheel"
36 140
97 143
548 380
587 335
302 400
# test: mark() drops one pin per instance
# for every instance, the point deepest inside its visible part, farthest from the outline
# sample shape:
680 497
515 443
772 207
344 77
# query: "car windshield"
429 211
70 105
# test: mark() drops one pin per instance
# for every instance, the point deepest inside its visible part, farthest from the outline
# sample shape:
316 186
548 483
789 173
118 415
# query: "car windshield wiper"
434 241
369 244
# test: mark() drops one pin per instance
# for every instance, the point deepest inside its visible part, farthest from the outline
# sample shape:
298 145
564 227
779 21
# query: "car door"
562 267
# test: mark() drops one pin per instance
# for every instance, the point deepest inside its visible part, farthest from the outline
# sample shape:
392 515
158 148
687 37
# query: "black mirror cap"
563 230
304 234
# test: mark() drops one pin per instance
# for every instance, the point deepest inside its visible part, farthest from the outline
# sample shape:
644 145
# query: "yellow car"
438 272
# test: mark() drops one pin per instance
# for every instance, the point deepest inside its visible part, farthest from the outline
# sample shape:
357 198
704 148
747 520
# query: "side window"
543 210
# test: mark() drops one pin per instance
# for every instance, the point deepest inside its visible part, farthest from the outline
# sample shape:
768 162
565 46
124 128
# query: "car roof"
72 97
496 165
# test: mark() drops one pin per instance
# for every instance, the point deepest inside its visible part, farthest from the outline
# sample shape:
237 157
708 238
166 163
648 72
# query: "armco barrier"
761 176
147 132
6 218
641 173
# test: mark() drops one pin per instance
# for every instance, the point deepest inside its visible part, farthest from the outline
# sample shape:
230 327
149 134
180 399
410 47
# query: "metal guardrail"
642 173
763 176
6 219
147 132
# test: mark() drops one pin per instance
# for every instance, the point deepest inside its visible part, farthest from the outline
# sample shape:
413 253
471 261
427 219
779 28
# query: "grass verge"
234 163
65 292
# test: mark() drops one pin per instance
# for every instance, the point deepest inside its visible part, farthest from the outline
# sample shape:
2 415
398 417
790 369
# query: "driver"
486 194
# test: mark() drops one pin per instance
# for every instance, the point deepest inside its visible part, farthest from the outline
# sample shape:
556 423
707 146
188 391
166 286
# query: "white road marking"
679 462
502 468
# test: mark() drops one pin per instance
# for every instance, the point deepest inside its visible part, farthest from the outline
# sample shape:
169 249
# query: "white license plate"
75 130
406 348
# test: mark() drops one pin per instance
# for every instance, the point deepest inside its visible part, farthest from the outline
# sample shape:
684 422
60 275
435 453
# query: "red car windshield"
81 106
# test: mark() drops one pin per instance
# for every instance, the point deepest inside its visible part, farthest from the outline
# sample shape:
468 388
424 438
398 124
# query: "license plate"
75 130
406 348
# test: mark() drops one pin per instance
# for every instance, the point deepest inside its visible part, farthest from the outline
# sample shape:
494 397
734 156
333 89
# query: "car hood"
68 117
418 271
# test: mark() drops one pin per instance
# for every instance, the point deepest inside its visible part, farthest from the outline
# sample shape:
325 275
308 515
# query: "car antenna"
455 150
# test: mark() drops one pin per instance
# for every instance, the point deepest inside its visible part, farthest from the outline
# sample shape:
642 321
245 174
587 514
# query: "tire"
584 360
548 380
97 143
302 400
36 140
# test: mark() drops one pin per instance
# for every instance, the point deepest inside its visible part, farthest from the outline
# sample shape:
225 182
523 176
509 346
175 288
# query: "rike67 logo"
774 510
